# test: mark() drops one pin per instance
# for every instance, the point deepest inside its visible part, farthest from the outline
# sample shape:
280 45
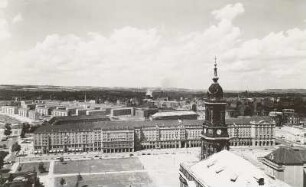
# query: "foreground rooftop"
230 170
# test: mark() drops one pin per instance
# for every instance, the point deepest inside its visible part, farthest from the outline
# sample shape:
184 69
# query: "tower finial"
215 78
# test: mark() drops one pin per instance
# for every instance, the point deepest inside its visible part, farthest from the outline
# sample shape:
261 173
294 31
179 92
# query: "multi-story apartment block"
43 110
96 112
89 133
126 111
10 110
251 131
24 112
63 111
169 134
115 140
33 115
111 136
83 137
59 112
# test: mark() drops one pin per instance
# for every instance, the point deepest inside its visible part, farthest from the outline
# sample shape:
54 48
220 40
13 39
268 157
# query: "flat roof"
173 113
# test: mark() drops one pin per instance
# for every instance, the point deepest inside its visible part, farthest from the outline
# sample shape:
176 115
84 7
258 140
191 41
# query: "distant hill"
301 91
84 88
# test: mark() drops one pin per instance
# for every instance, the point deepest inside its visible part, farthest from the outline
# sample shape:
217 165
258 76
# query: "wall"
294 175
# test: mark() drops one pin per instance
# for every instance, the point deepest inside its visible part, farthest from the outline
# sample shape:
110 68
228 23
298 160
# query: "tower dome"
215 91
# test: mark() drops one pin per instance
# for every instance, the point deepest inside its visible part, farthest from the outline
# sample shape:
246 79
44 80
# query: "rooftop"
113 125
248 120
288 156
227 169
173 113
67 119
77 123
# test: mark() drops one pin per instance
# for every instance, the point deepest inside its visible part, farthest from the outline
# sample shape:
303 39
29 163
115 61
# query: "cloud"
281 47
4 27
4 30
17 18
229 12
137 57
3 4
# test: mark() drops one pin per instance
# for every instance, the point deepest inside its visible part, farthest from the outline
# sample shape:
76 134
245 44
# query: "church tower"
215 135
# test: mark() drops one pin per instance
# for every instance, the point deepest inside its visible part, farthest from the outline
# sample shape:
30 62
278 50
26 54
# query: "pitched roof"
288 156
227 169
67 119
114 125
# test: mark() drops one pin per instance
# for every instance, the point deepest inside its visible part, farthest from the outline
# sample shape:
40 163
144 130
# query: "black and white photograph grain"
152 93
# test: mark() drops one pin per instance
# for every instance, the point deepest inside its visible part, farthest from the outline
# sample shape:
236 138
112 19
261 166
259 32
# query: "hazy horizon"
147 88
143 43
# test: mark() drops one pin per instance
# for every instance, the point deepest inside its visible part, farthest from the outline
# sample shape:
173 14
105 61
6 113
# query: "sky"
154 43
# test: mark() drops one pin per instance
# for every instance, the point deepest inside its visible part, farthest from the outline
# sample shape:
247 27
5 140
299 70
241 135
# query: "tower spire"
215 78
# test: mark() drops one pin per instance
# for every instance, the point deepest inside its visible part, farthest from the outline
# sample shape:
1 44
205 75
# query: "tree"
61 159
79 177
25 129
16 147
22 134
8 129
10 178
1 163
2 156
19 168
62 181
41 167
38 183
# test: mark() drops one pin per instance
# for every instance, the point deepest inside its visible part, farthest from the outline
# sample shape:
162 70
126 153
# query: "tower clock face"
219 131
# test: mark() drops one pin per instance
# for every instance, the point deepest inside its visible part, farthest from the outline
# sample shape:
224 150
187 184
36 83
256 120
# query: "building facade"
158 134
126 111
287 164
34 115
176 135
24 112
111 136
83 138
60 112
43 110
10 110
251 131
